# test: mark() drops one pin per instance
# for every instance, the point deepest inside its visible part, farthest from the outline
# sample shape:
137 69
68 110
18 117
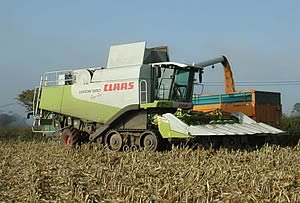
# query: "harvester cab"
140 100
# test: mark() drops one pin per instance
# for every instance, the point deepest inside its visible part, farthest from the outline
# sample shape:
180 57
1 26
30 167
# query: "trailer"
261 106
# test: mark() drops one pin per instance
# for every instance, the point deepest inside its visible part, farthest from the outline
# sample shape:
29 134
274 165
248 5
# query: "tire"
71 137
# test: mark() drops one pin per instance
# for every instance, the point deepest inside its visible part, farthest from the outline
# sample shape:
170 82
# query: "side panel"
208 107
59 99
135 119
51 98
85 109
126 55
268 113
172 127
223 98
245 107
96 96
268 107
118 94
262 97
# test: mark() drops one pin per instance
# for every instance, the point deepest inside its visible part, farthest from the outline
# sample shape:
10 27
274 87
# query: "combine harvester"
140 100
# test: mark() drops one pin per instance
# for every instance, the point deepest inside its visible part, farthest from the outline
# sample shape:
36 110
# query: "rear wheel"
71 136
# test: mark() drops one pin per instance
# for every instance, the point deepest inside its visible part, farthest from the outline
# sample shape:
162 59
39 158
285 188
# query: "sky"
260 38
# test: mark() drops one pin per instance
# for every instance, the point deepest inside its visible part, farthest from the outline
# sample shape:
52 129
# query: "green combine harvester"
140 100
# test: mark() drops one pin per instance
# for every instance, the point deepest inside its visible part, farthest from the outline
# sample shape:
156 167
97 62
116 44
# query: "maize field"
50 172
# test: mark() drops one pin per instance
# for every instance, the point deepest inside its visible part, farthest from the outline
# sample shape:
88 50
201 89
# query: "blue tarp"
223 98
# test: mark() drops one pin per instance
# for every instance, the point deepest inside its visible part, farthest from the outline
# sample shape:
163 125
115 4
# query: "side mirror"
29 114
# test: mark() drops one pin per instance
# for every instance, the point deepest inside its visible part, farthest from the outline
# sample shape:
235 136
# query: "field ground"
49 172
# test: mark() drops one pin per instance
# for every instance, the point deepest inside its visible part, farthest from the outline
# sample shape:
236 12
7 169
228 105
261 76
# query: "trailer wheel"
114 140
71 136
149 141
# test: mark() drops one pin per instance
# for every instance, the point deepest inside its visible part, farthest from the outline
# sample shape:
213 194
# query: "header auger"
140 100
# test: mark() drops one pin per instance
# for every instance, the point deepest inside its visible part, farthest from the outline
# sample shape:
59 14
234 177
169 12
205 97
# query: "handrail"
56 79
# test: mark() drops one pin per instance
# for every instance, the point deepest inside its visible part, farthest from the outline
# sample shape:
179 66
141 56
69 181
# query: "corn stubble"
49 172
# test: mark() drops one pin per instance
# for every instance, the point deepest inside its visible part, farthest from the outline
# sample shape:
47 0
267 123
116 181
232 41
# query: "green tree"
296 108
25 98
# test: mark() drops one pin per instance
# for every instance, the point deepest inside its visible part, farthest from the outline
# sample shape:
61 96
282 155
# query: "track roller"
149 141
114 140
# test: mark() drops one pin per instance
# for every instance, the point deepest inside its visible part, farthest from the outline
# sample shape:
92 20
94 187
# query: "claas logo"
118 86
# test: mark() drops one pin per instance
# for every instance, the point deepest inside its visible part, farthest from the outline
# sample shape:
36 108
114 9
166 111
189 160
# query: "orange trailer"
262 106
